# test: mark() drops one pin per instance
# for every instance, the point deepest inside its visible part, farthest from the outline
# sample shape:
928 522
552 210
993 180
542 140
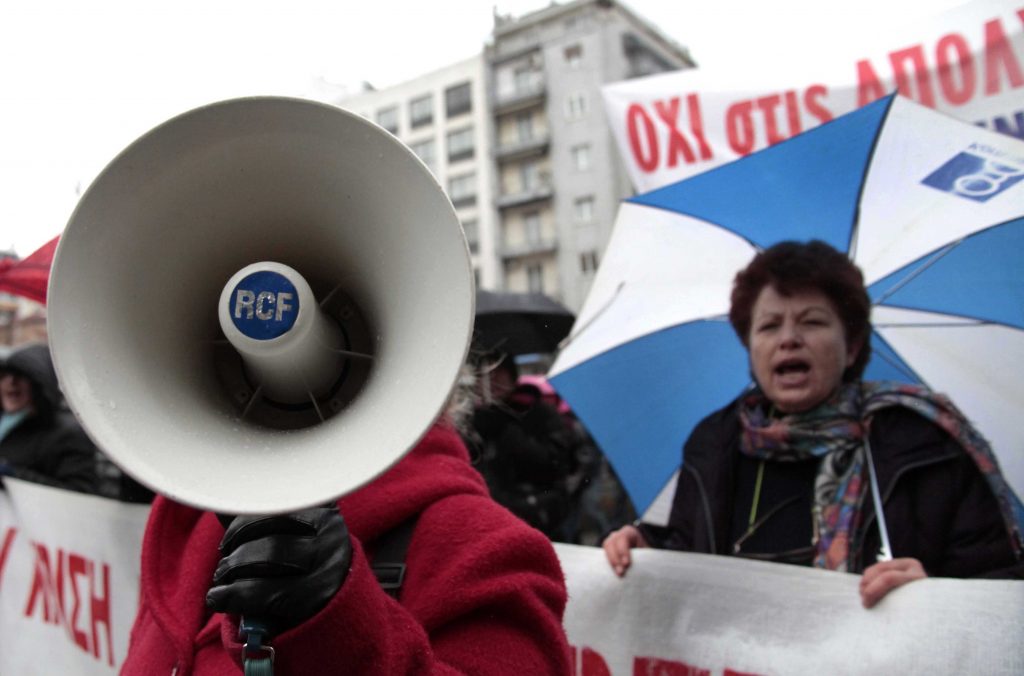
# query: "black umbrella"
519 323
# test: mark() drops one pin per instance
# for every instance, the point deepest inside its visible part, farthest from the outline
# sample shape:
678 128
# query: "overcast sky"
82 79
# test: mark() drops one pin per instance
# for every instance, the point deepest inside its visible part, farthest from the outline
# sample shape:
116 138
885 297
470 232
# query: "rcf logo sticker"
979 173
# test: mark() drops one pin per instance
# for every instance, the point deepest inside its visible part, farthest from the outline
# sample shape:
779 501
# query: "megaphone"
260 305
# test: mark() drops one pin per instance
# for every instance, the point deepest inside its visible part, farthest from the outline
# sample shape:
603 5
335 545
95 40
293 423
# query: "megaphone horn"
260 305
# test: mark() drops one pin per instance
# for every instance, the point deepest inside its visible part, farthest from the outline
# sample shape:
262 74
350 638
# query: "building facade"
443 118
518 138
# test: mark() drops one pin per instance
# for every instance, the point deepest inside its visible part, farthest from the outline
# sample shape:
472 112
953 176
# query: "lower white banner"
69 580
69 585
678 614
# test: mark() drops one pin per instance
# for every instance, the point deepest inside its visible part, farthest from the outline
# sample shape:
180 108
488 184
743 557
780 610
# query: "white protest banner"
679 614
69 586
967 63
69 580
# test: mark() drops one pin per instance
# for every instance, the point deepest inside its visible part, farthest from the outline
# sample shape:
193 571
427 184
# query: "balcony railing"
512 150
528 248
542 190
525 94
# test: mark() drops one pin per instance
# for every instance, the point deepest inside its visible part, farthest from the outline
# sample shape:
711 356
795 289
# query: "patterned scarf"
834 432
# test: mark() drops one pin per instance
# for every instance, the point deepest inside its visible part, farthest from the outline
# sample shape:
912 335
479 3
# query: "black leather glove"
281 570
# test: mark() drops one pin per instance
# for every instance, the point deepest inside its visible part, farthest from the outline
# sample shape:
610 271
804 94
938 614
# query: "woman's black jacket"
938 507
49 446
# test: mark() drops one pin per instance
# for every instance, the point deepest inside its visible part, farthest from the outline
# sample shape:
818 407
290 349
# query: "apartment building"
444 119
518 138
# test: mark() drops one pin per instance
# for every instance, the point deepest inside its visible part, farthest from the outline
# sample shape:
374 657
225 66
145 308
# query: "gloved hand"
282 569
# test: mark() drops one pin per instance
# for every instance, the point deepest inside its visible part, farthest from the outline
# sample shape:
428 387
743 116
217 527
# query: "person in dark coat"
784 472
40 440
524 450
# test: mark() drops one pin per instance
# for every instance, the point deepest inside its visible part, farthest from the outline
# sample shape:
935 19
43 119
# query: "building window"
584 209
535 278
576 106
462 189
574 56
531 226
458 99
472 230
524 126
425 151
388 118
588 262
460 144
581 157
421 111
529 176
524 78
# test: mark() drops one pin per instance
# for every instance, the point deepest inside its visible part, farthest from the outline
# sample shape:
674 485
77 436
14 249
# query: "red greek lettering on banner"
814 105
635 117
1000 59
957 79
48 586
793 113
739 127
922 82
99 611
767 106
669 114
588 662
869 85
5 549
697 126
78 567
655 666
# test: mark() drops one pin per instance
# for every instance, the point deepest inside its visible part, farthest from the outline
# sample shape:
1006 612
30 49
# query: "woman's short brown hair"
791 267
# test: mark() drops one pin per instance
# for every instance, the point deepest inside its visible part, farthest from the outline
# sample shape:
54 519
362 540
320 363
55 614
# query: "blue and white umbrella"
930 208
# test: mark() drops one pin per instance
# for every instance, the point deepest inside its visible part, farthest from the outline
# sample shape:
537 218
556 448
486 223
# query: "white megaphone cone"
260 305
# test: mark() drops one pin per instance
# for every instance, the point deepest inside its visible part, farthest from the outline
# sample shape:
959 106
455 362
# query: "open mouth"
791 367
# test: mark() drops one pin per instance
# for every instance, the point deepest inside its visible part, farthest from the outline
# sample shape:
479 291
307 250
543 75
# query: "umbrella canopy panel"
29 277
519 323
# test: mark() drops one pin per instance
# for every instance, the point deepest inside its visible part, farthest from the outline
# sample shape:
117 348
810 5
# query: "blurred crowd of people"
538 459
536 456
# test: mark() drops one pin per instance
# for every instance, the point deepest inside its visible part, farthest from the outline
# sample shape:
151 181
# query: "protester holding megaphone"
344 318
482 592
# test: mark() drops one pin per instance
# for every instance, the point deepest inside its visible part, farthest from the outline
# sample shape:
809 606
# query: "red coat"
483 593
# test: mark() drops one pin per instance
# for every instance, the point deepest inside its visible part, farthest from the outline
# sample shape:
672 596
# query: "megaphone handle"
257 657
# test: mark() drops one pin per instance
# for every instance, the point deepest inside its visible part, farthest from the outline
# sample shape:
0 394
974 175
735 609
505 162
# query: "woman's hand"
881 578
281 570
617 546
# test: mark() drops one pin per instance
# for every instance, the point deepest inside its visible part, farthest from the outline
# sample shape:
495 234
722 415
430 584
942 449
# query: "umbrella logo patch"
976 174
